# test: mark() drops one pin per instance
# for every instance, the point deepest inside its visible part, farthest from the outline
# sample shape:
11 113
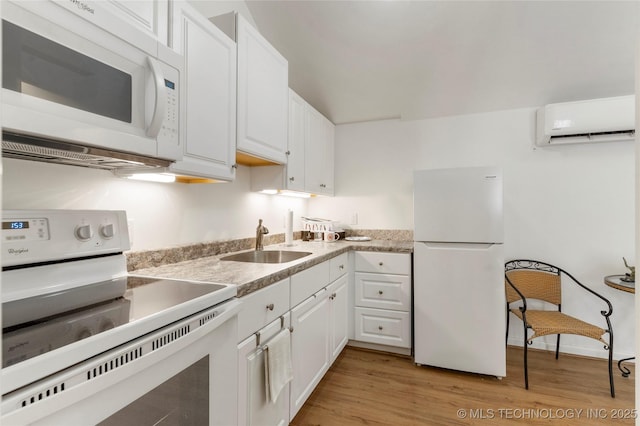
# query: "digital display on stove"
15 224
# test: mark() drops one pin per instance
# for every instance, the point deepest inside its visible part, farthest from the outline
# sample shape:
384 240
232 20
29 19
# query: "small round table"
616 281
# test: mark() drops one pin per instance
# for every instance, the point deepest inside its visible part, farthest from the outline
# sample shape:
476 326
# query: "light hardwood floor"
370 388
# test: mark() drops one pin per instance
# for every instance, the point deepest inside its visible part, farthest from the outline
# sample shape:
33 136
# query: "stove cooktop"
147 304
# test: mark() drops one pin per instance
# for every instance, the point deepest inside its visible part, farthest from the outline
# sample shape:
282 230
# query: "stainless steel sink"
267 256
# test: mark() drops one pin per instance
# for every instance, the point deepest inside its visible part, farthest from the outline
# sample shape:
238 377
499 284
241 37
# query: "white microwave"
73 72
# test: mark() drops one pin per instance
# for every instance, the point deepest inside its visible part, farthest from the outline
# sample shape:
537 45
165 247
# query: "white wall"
211 8
164 215
572 206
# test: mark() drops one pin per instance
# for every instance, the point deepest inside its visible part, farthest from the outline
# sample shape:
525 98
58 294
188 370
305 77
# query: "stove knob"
84 333
84 232
107 231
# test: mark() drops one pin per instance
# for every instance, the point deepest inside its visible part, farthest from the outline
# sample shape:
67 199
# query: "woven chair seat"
553 322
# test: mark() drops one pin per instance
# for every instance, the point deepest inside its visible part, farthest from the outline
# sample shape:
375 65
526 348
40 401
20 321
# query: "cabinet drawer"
262 307
383 291
338 266
384 263
309 281
383 327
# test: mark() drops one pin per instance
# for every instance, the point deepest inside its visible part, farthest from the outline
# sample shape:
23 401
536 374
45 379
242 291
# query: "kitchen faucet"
260 232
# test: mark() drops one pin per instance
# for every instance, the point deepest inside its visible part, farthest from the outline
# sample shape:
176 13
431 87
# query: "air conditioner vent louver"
598 120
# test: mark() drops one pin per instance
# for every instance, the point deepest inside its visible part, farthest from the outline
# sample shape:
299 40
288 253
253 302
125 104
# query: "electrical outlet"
354 218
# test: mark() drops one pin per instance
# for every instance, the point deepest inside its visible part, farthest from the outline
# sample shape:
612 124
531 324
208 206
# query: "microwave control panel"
170 124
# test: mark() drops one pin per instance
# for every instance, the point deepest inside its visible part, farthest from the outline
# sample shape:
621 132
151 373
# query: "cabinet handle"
380 292
380 327
270 306
234 166
288 152
292 178
333 296
341 267
380 263
322 185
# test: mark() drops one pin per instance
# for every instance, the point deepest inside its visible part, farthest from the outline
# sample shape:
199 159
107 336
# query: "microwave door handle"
160 98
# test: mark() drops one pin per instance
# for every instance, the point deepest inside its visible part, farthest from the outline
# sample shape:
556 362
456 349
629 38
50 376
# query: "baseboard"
380 348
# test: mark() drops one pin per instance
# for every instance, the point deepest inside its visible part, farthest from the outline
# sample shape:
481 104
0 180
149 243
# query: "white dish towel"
278 368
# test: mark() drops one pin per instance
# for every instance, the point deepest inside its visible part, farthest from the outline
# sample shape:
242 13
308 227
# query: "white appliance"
459 299
596 120
83 342
79 82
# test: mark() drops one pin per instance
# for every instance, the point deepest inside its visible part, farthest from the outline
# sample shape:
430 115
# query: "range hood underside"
32 148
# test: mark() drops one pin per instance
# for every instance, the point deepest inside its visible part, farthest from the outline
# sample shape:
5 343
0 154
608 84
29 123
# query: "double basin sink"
267 256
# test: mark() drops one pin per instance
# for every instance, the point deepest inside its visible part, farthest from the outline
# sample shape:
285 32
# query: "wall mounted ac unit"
597 120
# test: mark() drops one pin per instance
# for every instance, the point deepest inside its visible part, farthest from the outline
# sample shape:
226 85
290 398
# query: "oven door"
182 374
64 77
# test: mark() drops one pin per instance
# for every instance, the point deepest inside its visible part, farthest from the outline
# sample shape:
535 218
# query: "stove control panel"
21 229
31 236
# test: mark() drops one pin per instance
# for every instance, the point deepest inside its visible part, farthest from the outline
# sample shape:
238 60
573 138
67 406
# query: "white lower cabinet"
309 347
338 316
384 327
253 406
382 313
320 325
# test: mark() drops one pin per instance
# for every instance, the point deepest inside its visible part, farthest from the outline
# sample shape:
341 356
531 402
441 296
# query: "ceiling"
369 60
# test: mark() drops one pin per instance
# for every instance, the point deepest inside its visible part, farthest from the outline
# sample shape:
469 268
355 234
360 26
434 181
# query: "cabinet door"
319 156
208 101
151 16
338 316
253 406
309 347
296 143
263 96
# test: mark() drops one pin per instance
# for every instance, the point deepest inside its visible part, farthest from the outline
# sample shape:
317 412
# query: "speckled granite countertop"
250 277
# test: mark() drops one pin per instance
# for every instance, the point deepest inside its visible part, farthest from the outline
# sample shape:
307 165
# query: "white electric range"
84 341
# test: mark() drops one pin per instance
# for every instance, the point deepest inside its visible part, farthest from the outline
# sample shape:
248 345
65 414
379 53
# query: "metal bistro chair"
531 279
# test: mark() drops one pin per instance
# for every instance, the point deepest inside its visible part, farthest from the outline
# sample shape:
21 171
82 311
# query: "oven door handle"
160 98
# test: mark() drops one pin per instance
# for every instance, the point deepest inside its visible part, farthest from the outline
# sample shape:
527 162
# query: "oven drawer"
383 291
262 307
383 263
383 327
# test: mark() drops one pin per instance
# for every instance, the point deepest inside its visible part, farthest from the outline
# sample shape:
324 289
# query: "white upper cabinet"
151 16
310 150
296 143
263 79
208 103
319 153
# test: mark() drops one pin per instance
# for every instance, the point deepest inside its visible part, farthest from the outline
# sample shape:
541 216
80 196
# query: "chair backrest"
535 280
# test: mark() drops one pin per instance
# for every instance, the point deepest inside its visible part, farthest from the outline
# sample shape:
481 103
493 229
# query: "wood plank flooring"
371 388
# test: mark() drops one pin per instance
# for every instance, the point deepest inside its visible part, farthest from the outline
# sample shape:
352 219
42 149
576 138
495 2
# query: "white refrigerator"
459 296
